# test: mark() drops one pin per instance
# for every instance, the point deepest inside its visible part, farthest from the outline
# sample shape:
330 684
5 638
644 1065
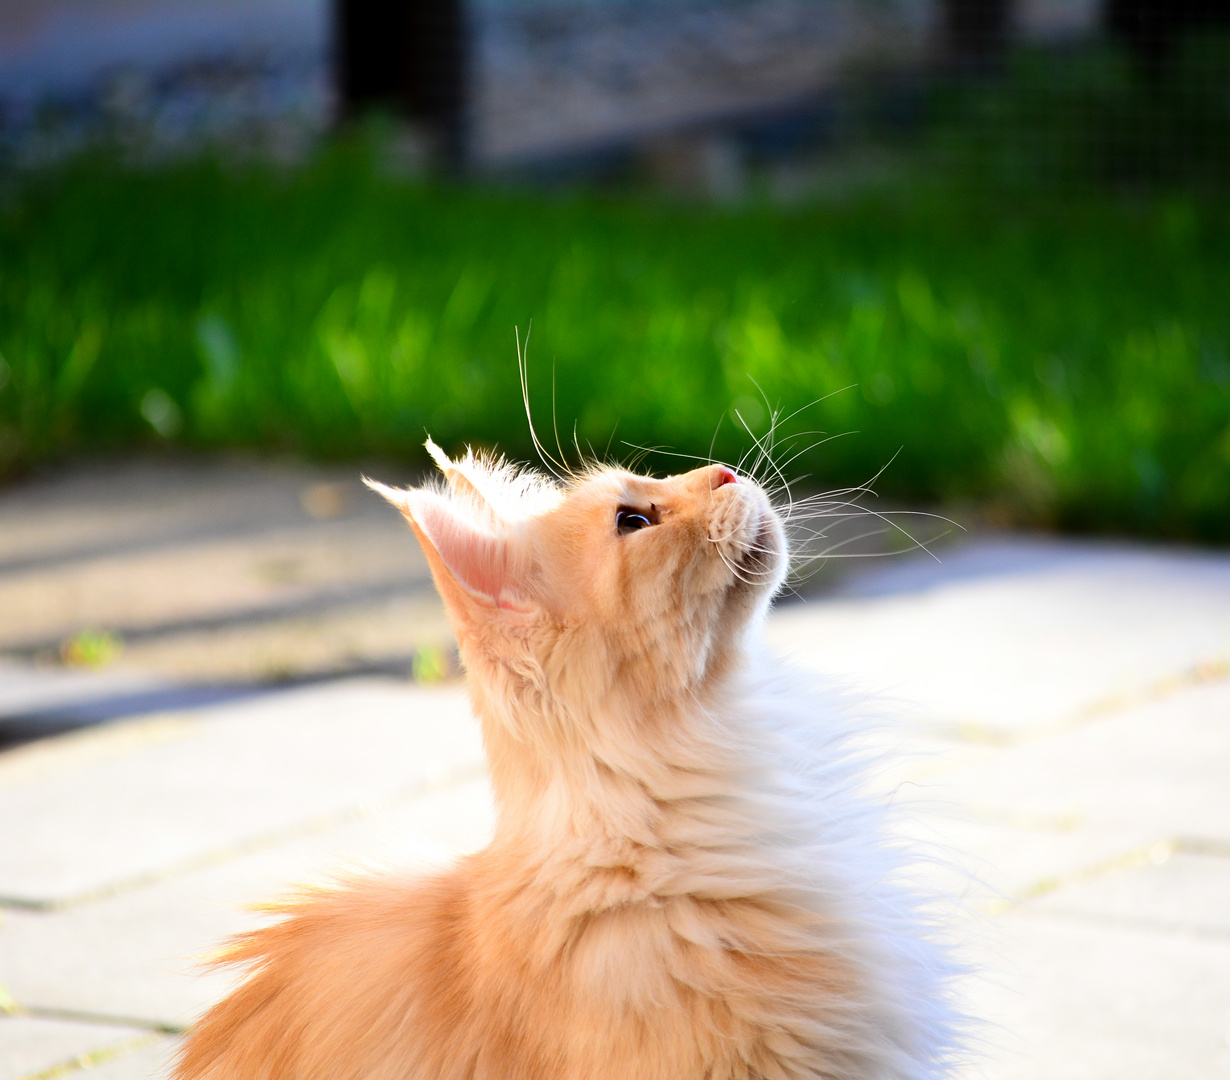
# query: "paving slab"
134 593
215 571
1068 743
1066 1000
87 510
1004 637
380 633
197 786
1165 890
30 1045
137 955
1162 767
150 1062
43 699
987 868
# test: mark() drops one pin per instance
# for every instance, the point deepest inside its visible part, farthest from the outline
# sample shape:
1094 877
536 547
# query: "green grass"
1068 362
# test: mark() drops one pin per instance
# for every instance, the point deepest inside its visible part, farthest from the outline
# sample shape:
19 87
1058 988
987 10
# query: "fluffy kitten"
684 883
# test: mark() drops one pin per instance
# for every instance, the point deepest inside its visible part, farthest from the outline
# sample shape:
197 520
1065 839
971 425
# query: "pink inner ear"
480 562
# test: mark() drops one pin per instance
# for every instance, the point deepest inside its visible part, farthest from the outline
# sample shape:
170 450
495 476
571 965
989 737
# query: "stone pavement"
214 572
1060 719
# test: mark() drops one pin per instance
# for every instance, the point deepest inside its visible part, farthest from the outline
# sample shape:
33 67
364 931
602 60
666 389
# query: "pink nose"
723 475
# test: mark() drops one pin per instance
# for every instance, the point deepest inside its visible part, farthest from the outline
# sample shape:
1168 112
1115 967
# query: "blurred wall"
554 74
1057 18
544 77
62 46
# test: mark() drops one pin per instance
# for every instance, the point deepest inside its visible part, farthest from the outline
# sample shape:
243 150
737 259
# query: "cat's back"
337 987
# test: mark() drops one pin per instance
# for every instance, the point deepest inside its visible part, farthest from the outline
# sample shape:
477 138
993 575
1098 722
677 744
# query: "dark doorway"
1150 28
408 58
975 33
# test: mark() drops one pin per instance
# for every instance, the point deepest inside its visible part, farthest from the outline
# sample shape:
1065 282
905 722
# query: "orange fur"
672 892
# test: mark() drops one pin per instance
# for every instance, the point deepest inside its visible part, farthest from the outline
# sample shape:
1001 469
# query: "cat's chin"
758 564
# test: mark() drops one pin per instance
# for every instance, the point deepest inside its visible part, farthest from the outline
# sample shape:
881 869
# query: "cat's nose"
722 475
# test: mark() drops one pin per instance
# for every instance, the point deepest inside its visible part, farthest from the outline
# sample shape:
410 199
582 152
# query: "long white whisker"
767 457
557 469
812 446
713 441
730 565
555 420
669 453
804 408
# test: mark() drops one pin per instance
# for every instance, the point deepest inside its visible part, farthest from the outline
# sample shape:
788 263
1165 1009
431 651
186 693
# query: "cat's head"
607 583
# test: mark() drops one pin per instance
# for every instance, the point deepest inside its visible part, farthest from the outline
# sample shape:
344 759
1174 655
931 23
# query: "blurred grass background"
1041 325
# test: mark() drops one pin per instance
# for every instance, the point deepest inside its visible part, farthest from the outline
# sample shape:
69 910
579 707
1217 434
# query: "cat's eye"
627 521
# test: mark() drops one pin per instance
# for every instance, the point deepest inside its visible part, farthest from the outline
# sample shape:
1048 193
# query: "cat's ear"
470 564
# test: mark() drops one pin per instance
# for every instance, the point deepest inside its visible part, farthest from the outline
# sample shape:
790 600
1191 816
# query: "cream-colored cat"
684 884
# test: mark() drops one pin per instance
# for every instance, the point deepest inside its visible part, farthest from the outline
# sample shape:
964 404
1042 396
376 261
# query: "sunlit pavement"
1060 713
209 573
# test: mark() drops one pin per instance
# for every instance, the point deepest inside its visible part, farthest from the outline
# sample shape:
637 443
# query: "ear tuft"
458 479
399 498
438 456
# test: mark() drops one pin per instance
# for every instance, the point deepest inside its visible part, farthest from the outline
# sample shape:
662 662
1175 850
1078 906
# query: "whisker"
817 401
766 456
742 572
606 454
555 417
670 453
812 446
576 442
557 469
713 441
730 565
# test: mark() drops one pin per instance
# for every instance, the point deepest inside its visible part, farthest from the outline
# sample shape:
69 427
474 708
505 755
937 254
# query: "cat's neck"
616 778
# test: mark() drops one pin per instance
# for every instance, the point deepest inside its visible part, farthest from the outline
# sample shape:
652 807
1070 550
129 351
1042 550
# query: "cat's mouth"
748 538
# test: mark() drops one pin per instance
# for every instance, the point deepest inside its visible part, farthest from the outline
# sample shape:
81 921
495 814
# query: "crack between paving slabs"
18 728
86 1016
1203 845
154 1030
94 1058
1202 673
1129 922
313 826
1156 854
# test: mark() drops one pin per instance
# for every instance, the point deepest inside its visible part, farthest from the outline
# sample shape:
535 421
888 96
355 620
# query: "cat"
684 883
